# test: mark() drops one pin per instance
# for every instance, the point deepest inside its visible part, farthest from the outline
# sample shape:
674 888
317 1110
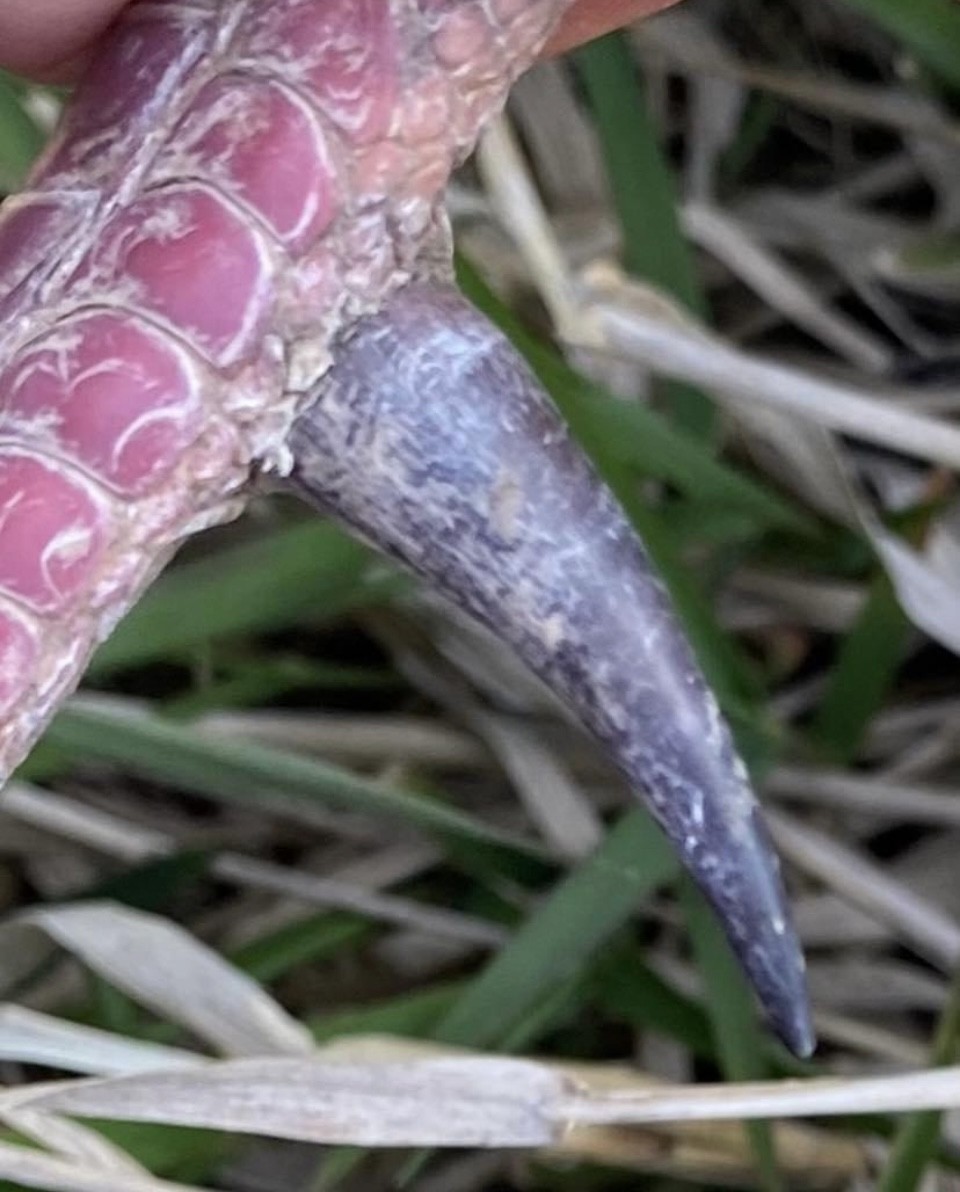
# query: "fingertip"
589 19
47 39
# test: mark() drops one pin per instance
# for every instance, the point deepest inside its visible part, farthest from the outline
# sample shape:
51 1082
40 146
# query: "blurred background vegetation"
352 796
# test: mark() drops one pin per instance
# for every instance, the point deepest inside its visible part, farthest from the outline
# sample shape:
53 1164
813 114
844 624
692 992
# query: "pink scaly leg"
236 181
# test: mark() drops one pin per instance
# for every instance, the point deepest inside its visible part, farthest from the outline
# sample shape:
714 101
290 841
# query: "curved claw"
433 440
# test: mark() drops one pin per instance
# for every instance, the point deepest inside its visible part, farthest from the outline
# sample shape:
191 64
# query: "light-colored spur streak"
236 182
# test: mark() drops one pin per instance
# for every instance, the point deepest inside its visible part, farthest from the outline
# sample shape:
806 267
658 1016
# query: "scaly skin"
236 181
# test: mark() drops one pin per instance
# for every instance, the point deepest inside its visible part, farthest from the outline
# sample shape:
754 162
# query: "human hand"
588 19
51 39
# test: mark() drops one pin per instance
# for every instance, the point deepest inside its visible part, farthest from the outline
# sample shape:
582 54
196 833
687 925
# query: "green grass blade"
929 28
645 198
565 932
236 771
865 668
410 1015
182 1153
917 1138
740 1045
529 983
310 569
21 139
627 990
310 940
643 186
269 677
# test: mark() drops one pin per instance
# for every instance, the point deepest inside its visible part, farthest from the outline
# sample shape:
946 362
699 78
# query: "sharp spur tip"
740 874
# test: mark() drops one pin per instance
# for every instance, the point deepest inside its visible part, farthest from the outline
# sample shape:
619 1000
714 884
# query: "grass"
609 958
